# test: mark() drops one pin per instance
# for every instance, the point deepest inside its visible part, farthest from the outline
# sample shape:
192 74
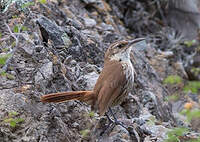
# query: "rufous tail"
84 96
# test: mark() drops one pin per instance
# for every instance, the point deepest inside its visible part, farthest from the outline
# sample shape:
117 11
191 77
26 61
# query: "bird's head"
120 50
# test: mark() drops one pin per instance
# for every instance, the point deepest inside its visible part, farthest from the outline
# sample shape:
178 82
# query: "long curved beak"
131 42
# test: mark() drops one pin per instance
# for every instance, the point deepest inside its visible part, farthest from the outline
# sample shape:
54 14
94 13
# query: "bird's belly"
129 73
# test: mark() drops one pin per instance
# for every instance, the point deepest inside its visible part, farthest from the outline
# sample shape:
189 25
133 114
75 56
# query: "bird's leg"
110 121
109 127
116 122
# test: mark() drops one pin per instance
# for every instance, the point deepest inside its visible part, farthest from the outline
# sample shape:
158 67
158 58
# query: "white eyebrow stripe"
118 43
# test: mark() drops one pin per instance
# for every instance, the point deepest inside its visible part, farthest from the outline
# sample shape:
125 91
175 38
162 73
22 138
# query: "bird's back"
111 85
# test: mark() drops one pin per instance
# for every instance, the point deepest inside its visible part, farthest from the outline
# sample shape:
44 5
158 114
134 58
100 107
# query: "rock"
72 59
28 49
119 134
184 16
158 130
45 72
91 79
89 22
192 67
89 1
50 30
107 27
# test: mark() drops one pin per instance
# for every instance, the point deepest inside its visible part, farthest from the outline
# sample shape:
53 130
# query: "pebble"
89 22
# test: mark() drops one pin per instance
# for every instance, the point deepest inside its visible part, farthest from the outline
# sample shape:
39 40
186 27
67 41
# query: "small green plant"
42 1
192 86
12 113
7 75
13 120
3 73
13 44
24 28
91 114
173 97
14 16
190 43
196 71
84 133
3 58
197 140
172 79
18 28
5 49
26 5
191 114
10 76
0 34
173 135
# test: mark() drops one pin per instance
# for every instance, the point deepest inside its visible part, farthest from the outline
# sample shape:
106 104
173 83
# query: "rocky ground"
53 46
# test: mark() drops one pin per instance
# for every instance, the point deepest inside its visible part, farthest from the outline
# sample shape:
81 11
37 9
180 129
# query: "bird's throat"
121 56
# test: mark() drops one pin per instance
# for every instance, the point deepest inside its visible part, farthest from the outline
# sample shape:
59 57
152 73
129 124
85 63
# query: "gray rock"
107 27
50 30
184 16
28 49
45 72
89 1
89 22
91 79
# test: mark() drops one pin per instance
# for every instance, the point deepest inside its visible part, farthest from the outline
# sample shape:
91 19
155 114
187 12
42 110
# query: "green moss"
7 75
5 49
3 58
191 114
10 76
173 97
16 29
91 114
84 133
196 71
172 79
12 113
192 86
42 1
3 73
190 43
13 120
25 5
173 135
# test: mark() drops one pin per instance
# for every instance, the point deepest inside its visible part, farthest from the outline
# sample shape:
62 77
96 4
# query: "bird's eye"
120 46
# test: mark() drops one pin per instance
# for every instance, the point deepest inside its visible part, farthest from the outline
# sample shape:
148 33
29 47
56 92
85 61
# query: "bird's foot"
117 122
111 125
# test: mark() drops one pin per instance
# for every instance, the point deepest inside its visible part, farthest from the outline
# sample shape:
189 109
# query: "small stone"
89 1
46 70
38 48
167 54
89 22
75 125
91 79
73 63
107 27
28 49
66 40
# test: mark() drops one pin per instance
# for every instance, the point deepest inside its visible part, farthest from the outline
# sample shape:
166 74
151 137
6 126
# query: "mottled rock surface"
63 49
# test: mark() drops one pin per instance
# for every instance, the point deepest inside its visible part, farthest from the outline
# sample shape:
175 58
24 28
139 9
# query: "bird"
114 83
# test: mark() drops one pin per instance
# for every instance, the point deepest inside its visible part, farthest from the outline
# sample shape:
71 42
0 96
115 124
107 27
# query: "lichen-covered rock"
65 52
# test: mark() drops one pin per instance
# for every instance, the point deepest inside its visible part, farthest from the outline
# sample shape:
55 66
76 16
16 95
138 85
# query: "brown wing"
109 85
